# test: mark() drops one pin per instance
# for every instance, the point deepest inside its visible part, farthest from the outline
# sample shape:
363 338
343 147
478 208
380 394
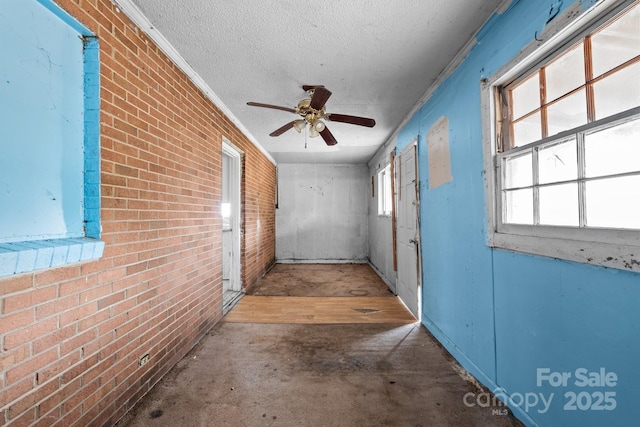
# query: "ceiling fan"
313 112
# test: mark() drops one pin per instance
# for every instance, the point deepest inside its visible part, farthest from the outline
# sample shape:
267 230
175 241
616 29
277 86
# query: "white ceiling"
378 57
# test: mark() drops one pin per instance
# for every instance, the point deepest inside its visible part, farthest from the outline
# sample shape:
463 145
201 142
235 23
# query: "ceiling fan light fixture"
299 125
319 125
313 132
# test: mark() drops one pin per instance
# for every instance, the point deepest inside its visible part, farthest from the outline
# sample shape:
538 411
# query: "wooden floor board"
319 310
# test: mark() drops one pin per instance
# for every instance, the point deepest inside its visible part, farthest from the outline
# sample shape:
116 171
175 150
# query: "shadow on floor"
253 374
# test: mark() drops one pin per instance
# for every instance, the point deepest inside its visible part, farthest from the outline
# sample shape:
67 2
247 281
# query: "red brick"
78 342
54 275
92 321
94 294
110 300
53 339
31 366
12 393
29 401
64 392
60 365
77 370
11 284
29 333
70 415
21 419
16 321
56 306
78 285
78 313
29 299
14 357
77 398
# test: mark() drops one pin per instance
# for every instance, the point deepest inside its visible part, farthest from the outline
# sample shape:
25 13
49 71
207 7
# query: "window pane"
518 171
558 162
381 191
527 130
616 43
618 92
613 202
384 191
526 97
226 215
559 205
518 206
568 113
565 73
613 150
387 191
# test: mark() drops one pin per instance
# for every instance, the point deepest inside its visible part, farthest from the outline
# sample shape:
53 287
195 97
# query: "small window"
384 191
570 154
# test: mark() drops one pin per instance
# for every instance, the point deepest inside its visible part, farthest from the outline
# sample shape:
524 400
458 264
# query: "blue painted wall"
504 315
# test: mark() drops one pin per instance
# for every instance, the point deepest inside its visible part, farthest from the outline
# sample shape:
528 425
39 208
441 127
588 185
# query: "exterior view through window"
384 191
569 134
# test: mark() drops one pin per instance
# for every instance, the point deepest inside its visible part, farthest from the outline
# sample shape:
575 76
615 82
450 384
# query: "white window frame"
617 248
384 181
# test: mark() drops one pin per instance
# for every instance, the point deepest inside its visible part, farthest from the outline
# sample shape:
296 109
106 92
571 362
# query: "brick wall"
71 337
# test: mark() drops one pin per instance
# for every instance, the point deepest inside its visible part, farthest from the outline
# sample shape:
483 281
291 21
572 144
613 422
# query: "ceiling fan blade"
275 107
320 97
282 129
328 137
354 120
310 87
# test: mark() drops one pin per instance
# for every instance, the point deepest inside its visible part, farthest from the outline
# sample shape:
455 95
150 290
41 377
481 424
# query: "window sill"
22 257
612 255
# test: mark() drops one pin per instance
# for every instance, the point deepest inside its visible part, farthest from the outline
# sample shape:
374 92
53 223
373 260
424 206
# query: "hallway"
310 374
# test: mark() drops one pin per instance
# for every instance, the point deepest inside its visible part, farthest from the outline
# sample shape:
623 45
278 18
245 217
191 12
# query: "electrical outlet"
143 360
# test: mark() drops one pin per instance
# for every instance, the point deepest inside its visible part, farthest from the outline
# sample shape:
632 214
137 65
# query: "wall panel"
322 212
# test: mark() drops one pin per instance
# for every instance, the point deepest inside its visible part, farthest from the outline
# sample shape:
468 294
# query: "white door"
408 231
230 210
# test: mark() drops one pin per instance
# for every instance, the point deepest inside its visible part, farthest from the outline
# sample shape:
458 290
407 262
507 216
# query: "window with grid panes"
568 134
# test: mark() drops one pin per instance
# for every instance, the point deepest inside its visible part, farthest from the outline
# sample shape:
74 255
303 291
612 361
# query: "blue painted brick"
8 261
87 251
98 250
91 215
60 253
26 258
93 230
75 251
44 253
92 177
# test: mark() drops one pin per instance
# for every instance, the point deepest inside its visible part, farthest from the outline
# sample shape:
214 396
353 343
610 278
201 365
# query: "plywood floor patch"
319 310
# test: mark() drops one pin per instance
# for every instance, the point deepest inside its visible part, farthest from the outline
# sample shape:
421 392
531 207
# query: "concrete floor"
322 280
314 375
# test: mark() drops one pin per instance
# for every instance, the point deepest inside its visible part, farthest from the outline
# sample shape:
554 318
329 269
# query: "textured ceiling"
377 57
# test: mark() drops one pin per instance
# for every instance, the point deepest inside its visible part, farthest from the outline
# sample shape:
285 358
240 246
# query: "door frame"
235 184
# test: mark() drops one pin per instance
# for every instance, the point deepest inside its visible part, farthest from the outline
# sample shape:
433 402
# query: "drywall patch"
438 153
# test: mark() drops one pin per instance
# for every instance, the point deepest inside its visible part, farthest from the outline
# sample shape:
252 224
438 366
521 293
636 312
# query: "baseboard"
472 368
322 261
